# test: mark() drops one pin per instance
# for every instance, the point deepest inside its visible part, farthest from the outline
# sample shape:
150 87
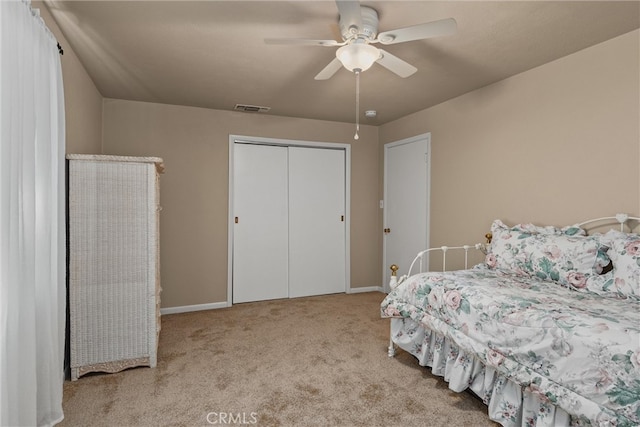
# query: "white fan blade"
307 42
350 14
443 27
395 64
329 70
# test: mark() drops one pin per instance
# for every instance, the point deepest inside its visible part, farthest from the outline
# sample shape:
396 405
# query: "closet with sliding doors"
288 218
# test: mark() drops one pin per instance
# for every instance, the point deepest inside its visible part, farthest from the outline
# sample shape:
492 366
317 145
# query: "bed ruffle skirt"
508 403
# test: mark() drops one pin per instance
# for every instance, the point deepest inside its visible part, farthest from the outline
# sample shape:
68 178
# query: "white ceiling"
212 54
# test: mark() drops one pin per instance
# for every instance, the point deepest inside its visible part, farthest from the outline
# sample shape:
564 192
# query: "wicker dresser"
114 280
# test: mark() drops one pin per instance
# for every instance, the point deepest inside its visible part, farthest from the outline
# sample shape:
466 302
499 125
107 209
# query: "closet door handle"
342 218
236 220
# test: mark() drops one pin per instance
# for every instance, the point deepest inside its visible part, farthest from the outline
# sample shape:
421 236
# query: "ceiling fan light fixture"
358 56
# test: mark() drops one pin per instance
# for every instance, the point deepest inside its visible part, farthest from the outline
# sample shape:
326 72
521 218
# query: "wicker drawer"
114 284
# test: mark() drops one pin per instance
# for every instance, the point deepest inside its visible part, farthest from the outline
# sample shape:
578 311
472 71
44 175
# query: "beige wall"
554 145
194 144
83 102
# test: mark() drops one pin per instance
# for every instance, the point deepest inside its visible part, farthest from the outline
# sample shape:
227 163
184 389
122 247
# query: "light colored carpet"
317 361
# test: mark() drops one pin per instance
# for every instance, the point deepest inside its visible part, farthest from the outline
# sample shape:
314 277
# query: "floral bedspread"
578 350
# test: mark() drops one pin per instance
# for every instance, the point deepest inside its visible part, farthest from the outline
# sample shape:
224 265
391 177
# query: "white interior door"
316 221
406 202
260 234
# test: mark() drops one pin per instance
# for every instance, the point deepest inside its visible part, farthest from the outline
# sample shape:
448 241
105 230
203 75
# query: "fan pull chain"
356 137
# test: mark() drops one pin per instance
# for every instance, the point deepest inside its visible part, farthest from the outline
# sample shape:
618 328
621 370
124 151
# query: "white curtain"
32 235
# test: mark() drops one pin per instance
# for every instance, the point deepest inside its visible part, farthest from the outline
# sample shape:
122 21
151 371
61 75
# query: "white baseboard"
197 307
365 289
224 304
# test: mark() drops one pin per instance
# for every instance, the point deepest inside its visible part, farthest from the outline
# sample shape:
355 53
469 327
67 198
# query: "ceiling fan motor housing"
369 28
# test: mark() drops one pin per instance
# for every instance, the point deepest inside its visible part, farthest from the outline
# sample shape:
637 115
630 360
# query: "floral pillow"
548 255
571 230
624 280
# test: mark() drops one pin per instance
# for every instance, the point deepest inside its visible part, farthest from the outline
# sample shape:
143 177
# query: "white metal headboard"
622 219
444 249
466 248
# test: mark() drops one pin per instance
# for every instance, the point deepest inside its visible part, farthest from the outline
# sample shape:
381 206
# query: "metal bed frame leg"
393 282
391 351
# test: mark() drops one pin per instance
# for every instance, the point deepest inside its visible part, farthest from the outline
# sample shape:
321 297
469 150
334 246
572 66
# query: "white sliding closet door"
316 221
260 244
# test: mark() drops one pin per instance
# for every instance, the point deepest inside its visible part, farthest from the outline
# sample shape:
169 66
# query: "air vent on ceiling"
251 108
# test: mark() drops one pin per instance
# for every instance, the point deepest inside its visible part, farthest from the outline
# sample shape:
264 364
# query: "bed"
546 331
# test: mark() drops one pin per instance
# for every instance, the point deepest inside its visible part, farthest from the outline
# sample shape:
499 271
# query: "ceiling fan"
359 29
